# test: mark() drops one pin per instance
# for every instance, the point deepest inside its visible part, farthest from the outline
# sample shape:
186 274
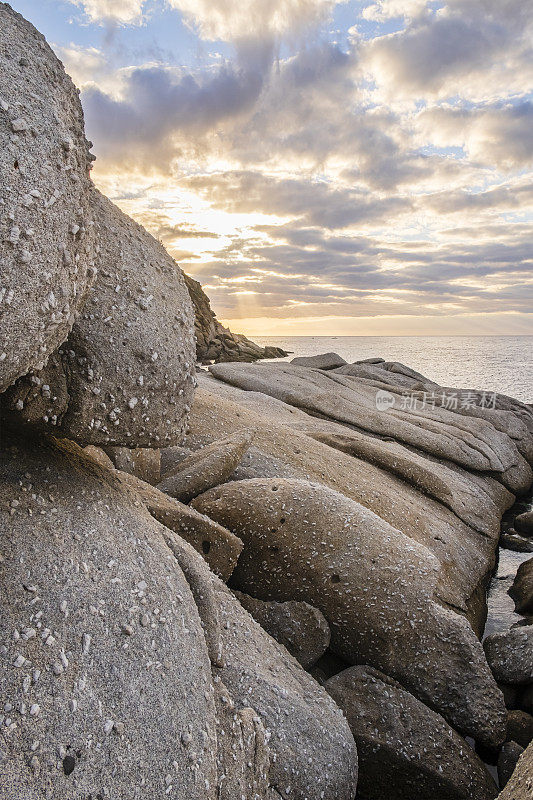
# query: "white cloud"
123 11
231 20
384 10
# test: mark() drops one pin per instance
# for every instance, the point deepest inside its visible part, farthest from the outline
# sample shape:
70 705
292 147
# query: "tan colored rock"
299 627
143 462
466 557
520 786
113 704
219 547
406 751
205 468
374 585
125 376
46 242
98 455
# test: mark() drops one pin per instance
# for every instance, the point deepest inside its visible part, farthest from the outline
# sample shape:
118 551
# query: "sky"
361 167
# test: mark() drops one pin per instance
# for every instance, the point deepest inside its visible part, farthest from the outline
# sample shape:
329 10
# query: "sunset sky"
343 168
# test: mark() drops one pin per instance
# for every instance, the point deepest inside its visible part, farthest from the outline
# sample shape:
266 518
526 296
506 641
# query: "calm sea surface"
494 363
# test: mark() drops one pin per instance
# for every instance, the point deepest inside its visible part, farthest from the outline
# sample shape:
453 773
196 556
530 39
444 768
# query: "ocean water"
491 363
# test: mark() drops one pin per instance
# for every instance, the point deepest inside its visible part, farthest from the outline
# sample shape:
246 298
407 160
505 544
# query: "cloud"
234 20
122 11
469 47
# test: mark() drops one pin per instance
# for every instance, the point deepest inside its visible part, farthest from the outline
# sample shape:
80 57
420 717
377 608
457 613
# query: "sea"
491 363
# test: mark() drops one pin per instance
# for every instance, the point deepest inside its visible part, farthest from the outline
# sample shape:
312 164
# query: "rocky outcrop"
406 751
214 342
325 361
524 523
299 627
143 462
125 376
46 243
109 672
374 585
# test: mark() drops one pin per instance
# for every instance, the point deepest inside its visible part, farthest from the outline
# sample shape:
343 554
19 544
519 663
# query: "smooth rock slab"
205 468
46 243
113 703
510 655
406 751
299 627
323 361
522 589
126 375
375 587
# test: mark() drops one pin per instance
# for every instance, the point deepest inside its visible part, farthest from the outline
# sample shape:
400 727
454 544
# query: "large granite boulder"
524 523
46 248
520 785
374 585
324 361
214 342
406 751
105 686
125 376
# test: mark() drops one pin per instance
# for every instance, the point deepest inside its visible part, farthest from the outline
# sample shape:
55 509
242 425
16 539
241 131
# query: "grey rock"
125 376
324 361
374 585
86 562
219 547
524 523
520 785
44 196
507 761
205 468
406 751
510 655
522 588
520 727
299 627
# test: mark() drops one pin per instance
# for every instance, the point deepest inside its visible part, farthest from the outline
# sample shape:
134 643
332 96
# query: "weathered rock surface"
520 786
98 455
510 655
105 673
374 585
205 468
214 342
299 627
325 361
218 546
507 761
143 462
522 589
406 751
524 523
519 544
46 247
466 557
470 442
313 752
520 727
125 376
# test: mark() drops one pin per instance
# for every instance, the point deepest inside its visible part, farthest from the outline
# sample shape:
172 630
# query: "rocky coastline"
248 582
